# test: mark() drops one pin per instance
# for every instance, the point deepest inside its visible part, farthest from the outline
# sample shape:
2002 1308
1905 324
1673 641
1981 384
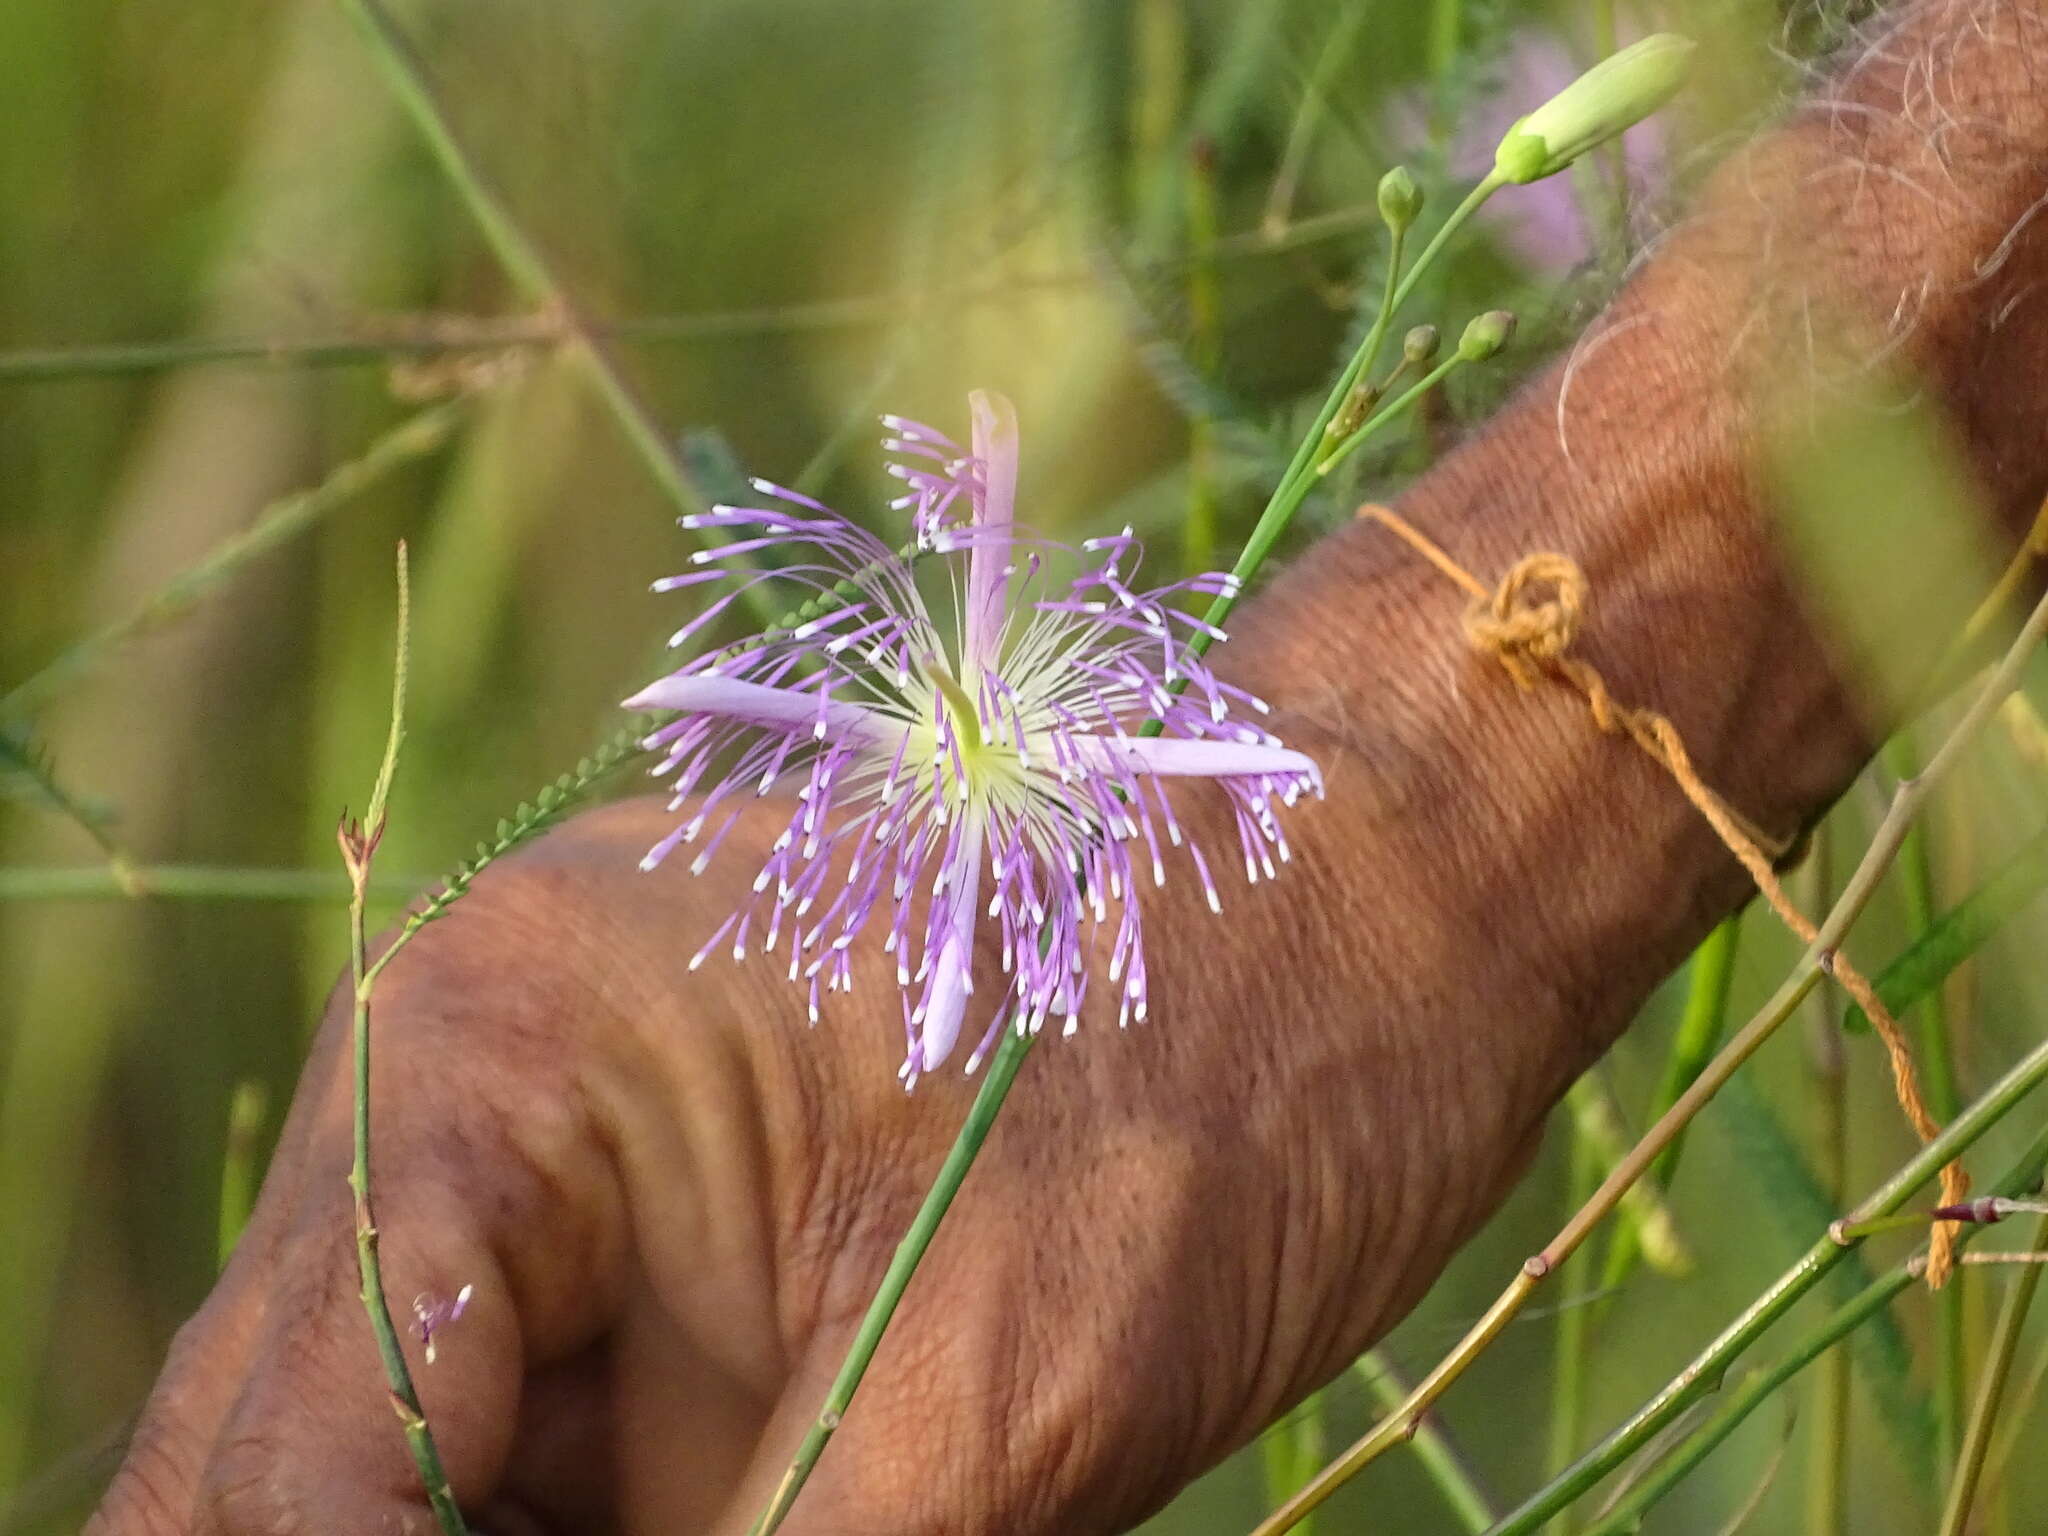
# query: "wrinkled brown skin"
673 1200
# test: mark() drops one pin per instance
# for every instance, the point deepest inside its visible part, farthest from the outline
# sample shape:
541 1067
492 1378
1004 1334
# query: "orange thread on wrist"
1528 623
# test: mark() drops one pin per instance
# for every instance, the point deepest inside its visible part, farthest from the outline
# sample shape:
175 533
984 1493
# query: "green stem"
1446 34
359 848
1205 321
2005 1339
1700 1028
1704 1374
1937 1070
1827 1482
1300 476
1568 1373
1441 1460
1393 410
1291 1450
191 882
1002 1071
247 1108
528 268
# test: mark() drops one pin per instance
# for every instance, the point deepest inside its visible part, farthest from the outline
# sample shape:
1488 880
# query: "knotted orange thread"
1528 624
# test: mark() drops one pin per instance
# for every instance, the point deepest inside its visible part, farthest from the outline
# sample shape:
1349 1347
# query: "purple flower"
937 783
431 1315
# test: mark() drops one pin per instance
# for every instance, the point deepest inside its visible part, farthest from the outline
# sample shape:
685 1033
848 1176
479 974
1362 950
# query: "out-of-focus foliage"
797 212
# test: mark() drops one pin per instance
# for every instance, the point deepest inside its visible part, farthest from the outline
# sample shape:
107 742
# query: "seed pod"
1486 335
1400 199
1421 344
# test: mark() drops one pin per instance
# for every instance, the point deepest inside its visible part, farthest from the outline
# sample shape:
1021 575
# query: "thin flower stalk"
358 842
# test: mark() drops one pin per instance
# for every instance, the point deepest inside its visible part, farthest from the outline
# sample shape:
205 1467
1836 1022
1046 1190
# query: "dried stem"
1884 847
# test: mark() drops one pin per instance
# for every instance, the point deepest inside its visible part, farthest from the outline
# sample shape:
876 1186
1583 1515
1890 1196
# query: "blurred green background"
228 270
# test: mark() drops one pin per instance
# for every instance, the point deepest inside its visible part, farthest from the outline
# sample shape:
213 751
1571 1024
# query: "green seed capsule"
1486 335
1421 344
1400 199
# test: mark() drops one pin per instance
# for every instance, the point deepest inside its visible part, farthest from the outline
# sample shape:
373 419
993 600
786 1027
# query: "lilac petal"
772 708
1190 759
953 969
995 445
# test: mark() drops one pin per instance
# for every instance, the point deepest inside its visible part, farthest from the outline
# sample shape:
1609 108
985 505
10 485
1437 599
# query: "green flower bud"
1486 335
1400 198
1420 345
1606 101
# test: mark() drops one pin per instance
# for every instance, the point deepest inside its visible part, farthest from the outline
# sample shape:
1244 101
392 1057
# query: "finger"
489 1178
155 1489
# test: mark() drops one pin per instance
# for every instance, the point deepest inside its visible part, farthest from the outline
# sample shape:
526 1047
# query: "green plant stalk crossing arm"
981 1118
1863 882
1705 1372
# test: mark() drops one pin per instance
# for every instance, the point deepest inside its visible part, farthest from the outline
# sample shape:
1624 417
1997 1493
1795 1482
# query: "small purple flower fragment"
940 778
431 1315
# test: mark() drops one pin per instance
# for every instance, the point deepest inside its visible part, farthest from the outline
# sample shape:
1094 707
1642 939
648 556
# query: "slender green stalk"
981 1118
1937 1070
1574 1334
1292 1450
279 523
1392 411
358 847
1274 222
248 1107
1791 1200
24 760
1705 1372
1300 477
1446 37
1440 1458
1961 931
1700 1027
1205 320
2005 1339
1827 1477
525 264
1644 1209
192 882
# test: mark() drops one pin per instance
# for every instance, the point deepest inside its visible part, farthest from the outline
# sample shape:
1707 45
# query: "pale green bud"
1606 101
1400 199
1420 345
1486 335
